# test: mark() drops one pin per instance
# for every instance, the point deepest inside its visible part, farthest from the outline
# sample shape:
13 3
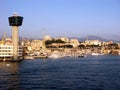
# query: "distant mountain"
92 37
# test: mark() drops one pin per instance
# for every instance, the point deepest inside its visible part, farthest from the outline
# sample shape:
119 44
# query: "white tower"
15 21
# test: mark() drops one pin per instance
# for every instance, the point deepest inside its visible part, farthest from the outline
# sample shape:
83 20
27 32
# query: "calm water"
90 73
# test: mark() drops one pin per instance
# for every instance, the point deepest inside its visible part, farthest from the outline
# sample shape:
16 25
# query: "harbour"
60 45
13 49
89 73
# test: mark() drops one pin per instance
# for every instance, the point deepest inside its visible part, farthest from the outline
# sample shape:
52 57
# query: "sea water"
89 73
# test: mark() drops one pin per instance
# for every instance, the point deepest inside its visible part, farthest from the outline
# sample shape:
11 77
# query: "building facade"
6 52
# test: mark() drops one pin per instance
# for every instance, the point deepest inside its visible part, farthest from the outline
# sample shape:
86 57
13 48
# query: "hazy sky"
73 18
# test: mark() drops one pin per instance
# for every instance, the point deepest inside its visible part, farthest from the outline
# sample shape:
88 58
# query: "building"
74 42
8 41
37 45
6 52
47 38
93 42
65 39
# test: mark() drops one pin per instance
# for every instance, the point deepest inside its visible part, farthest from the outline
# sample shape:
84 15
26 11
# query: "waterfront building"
6 52
34 47
37 45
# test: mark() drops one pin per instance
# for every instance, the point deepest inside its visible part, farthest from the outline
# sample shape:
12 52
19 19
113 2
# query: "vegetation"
66 46
81 46
113 46
53 41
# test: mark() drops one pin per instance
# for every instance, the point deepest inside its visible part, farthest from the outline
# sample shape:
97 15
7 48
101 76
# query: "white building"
6 52
47 37
65 39
74 42
93 42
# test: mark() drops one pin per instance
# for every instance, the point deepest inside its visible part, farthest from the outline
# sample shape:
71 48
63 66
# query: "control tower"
15 21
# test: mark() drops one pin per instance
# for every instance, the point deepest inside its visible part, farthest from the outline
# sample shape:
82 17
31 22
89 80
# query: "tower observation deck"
15 20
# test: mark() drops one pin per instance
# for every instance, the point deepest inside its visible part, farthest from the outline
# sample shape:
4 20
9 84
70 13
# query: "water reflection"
9 75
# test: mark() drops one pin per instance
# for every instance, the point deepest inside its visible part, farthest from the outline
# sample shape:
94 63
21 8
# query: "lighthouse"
15 21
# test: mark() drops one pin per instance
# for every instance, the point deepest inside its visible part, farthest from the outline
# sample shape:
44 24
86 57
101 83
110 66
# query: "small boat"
82 56
96 54
29 57
40 56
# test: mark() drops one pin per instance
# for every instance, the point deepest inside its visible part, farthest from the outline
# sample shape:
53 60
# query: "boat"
82 56
28 57
40 56
96 54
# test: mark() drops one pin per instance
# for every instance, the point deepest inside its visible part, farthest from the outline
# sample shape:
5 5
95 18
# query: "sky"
57 18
